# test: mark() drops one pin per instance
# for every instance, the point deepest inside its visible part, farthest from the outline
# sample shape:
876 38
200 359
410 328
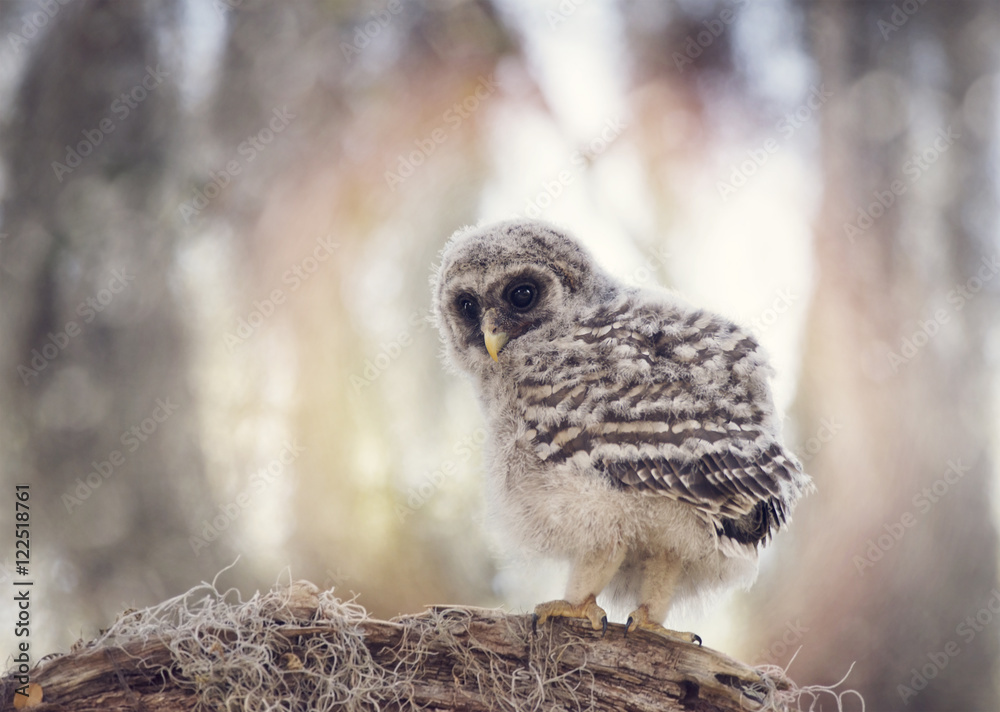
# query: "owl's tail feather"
757 526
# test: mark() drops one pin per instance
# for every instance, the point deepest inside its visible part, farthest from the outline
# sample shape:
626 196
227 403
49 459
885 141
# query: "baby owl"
630 434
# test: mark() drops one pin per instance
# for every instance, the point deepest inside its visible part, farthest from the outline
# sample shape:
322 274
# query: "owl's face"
505 288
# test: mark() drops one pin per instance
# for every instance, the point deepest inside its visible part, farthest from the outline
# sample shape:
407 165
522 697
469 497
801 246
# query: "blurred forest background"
219 219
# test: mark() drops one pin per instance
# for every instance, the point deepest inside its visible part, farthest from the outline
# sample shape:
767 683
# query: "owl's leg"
587 578
659 581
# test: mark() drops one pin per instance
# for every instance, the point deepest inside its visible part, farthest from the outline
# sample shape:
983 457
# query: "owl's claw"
604 624
588 610
640 619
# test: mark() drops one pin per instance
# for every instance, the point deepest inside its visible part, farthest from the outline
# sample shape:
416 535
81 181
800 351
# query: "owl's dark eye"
468 307
522 296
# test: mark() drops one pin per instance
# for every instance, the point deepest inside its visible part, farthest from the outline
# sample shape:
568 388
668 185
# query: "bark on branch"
305 649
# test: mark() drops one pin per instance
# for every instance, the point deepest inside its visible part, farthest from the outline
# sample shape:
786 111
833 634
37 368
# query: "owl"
630 434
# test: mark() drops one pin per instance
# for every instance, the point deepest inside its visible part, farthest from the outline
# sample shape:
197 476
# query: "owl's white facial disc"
503 287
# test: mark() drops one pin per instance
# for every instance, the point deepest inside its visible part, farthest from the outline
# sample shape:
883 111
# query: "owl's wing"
744 497
676 404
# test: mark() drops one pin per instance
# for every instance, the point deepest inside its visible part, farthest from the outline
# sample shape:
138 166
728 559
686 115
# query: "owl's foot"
588 610
639 618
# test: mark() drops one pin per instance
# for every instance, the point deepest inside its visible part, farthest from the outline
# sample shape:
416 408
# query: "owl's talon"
587 610
534 622
640 619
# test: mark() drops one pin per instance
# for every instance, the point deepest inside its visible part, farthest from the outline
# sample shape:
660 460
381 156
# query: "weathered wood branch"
308 650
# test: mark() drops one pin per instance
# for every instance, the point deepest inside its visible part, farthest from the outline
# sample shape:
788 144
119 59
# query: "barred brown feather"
672 409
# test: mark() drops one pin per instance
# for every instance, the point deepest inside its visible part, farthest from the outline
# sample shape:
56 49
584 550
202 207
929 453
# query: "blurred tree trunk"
98 414
357 121
895 360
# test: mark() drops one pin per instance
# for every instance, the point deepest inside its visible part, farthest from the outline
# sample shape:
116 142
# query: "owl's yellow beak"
495 339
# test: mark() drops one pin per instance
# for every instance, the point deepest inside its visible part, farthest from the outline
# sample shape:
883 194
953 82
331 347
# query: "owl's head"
504 288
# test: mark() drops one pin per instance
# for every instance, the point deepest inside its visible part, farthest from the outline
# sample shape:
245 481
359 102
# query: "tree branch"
308 650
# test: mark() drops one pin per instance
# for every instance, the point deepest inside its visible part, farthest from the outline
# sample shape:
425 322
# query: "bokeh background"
218 219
